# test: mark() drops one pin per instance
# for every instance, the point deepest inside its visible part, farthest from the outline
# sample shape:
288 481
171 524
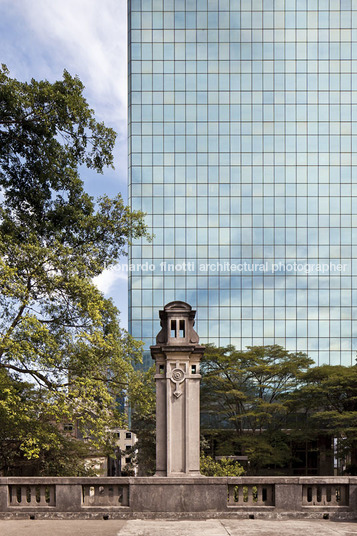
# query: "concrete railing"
334 497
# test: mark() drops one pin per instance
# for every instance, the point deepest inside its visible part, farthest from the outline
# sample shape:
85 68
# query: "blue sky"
41 38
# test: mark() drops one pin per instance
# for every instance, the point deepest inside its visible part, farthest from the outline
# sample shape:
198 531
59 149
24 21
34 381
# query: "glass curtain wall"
242 152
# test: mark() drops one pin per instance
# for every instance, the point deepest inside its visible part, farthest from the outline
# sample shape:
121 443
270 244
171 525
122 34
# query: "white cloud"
108 279
88 38
114 283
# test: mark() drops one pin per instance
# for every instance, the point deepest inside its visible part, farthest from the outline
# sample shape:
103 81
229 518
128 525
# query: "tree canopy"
247 390
143 419
275 402
328 398
57 331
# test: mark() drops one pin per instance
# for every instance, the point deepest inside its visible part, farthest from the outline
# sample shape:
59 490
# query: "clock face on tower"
177 376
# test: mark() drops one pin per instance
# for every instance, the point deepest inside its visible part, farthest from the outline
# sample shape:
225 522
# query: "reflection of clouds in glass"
285 200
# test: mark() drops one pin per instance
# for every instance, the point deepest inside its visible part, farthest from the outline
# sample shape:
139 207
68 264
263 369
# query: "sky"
41 38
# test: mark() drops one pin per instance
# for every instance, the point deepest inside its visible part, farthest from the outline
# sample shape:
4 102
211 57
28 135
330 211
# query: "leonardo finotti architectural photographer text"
234 268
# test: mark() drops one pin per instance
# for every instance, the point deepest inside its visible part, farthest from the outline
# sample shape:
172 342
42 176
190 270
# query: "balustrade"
325 495
251 495
105 495
133 496
32 496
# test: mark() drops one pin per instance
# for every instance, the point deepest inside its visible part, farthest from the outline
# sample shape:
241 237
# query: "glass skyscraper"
243 154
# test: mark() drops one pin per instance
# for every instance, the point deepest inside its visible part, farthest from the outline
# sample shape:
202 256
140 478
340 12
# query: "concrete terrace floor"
162 527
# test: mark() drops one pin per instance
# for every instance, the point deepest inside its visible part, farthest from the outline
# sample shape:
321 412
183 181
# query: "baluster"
235 493
334 492
23 500
250 495
323 495
304 494
110 493
43 495
91 495
236 489
259 495
33 501
234 497
314 495
239 495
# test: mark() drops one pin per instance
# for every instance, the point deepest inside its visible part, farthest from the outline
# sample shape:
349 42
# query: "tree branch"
17 317
34 373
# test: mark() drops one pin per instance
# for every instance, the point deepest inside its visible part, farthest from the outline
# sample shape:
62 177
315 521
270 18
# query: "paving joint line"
225 528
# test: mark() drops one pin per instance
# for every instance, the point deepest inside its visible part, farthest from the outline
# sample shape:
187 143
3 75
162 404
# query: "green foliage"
56 329
248 388
248 391
31 438
272 398
143 422
328 399
271 447
224 467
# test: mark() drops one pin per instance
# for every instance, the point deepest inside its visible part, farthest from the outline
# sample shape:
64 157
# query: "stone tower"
177 355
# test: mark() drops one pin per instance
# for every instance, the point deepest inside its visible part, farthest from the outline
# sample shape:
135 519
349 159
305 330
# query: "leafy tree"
143 423
328 399
31 441
223 467
248 391
56 329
